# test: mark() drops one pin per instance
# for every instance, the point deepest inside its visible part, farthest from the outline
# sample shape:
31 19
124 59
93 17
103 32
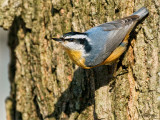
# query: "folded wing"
107 37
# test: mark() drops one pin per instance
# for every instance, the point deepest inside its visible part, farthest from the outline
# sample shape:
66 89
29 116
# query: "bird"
102 44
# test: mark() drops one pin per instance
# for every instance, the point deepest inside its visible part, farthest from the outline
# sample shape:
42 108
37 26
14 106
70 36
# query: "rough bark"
46 84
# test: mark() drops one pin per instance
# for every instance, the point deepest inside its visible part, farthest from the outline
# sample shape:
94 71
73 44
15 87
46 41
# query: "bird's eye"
70 40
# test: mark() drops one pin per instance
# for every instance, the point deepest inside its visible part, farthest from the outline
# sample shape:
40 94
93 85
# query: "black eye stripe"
69 39
81 41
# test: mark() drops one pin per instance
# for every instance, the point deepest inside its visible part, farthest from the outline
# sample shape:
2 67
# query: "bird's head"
75 41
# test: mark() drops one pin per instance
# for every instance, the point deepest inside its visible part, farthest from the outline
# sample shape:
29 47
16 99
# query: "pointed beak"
58 39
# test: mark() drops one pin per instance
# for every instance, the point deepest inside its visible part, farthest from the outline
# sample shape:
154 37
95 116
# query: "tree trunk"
46 84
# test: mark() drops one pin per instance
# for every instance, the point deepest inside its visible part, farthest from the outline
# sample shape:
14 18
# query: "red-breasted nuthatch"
102 44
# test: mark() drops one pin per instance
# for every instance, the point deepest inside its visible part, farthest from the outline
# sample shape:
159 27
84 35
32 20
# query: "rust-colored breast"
77 58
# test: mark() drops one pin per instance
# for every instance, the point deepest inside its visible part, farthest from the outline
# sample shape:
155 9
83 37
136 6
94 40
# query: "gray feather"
142 12
106 37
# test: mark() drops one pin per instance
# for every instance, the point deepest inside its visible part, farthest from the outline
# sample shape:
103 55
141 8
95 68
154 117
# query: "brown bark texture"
47 85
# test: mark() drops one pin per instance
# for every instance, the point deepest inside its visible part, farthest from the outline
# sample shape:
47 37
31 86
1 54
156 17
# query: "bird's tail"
142 12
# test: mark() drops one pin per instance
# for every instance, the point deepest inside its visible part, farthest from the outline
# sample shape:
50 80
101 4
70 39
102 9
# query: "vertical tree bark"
46 84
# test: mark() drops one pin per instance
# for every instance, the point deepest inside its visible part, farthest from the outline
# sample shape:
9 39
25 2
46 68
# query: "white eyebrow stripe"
76 36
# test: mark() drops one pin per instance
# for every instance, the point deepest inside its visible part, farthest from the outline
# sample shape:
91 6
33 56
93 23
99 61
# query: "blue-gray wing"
106 37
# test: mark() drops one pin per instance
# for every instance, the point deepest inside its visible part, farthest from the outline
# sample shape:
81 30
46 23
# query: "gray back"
105 38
